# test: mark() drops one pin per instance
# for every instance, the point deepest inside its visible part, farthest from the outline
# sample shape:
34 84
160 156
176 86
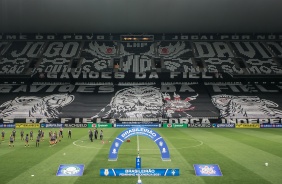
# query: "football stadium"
140 92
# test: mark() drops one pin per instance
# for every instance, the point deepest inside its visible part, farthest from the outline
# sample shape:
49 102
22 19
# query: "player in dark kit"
31 135
90 135
53 139
40 132
22 135
50 133
3 135
61 132
96 133
38 140
69 133
26 140
14 134
42 135
101 135
11 143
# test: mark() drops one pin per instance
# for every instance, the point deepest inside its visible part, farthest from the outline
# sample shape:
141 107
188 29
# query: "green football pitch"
240 153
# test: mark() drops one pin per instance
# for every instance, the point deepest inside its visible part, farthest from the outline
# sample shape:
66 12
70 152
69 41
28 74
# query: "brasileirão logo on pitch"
207 170
71 170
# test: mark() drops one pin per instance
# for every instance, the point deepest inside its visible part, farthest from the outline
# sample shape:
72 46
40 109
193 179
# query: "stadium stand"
97 56
121 80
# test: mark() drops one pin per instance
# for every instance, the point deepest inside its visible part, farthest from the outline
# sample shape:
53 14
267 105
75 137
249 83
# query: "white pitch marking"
186 147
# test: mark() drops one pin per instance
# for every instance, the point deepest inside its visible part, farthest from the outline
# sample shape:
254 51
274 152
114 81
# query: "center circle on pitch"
182 143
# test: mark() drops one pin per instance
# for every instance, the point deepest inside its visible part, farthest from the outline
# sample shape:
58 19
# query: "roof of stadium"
140 16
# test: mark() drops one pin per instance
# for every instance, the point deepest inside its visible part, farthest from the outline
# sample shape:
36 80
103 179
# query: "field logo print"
207 170
70 170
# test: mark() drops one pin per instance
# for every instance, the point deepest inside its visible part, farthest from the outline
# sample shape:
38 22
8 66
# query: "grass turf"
240 153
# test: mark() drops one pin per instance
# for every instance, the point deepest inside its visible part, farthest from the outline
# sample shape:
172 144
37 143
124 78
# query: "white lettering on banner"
76 125
187 120
223 121
76 120
110 88
85 75
121 75
185 75
251 121
8 120
236 88
138 130
64 120
136 45
65 50
35 120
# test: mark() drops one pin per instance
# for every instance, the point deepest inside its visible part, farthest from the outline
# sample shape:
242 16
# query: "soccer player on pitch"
22 135
26 140
42 135
31 135
14 134
61 132
38 140
96 133
11 143
90 135
101 135
69 133
3 135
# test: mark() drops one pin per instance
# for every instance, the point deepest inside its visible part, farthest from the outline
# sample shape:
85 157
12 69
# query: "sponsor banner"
100 125
165 125
27 125
195 125
7 125
139 172
51 125
207 170
136 122
156 125
247 126
141 131
270 125
223 125
70 170
76 125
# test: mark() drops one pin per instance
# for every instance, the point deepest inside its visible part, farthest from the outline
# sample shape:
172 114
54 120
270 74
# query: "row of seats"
170 56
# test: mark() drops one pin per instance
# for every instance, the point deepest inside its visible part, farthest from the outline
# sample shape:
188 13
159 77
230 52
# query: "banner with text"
27 125
165 125
139 172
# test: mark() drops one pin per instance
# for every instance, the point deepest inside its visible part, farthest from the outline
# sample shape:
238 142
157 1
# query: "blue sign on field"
139 172
70 170
207 170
